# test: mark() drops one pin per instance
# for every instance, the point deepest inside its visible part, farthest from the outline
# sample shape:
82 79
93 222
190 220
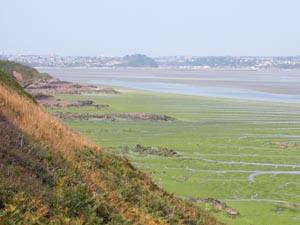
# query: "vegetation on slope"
23 74
51 175
10 82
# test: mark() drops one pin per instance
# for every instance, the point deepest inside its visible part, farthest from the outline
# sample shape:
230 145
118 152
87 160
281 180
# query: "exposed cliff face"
52 175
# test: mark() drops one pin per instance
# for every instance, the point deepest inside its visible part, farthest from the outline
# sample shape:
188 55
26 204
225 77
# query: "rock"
41 96
220 206
55 86
150 150
132 116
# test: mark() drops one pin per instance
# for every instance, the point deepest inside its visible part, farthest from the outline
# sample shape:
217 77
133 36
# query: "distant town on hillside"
180 62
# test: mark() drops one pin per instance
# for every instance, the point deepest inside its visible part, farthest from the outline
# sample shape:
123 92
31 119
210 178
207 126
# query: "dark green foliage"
139 60
7 191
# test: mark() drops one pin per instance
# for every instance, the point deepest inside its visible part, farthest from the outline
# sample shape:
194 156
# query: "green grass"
208 133
28 74
9 81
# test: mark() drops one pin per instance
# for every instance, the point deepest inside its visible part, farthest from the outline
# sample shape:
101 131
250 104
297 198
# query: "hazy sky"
153 27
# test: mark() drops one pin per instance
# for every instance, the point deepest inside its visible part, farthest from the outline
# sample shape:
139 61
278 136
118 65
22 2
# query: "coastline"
245 85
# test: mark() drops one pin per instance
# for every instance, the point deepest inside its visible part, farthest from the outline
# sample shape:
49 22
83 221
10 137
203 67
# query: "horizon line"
164 56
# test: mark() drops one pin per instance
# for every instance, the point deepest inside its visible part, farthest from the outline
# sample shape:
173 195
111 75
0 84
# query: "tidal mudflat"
276 82
242 152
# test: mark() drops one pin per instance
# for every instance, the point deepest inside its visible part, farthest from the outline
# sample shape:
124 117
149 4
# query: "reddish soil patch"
18 76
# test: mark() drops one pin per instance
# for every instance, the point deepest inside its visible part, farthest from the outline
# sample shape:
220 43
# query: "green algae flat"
220 143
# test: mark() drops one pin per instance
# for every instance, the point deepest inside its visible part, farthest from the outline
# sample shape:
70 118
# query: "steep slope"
23 74
51 175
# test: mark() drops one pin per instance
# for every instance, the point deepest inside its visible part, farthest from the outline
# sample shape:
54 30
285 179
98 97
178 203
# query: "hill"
52 175
23 74
139 60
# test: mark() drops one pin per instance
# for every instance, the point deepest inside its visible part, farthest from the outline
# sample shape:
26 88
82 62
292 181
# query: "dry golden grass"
35 121
38 124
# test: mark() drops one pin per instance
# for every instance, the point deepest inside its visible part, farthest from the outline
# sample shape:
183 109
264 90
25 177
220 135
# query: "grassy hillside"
51 175
23 74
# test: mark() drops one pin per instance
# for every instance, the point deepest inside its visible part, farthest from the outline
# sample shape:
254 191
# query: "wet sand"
234 82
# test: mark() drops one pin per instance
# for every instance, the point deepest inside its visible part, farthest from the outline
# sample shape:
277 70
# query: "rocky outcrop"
217 204
143 116
61 103
149 150
55 86
132 116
